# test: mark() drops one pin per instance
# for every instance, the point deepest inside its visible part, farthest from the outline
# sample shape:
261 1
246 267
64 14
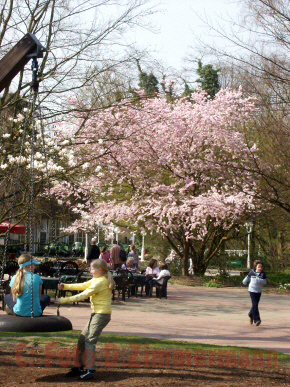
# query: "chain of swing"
35 112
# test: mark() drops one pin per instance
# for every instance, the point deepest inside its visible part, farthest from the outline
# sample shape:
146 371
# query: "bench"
234 263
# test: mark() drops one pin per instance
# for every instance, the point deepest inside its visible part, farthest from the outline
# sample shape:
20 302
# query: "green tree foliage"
187 90
259 62
208 78
148 83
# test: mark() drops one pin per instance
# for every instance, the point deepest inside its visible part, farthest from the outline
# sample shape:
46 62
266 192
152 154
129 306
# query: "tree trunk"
199 267
279 246
185 259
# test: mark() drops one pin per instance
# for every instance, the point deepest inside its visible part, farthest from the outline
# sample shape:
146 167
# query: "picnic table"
132 277
127 283
50 283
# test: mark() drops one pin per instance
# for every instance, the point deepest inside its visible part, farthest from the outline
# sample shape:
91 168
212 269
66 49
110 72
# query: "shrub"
278 278
211 284
175 267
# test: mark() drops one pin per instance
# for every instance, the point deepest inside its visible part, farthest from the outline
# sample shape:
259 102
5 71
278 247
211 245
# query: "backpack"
123 255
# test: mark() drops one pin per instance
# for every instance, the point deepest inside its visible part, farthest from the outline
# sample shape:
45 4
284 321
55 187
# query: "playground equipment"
13 62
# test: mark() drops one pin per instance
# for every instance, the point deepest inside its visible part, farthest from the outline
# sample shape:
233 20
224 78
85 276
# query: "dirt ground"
34 365
31 365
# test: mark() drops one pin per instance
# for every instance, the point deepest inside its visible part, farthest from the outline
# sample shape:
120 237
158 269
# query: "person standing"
99 289
106 256
258 278
94 252
133 253
115 256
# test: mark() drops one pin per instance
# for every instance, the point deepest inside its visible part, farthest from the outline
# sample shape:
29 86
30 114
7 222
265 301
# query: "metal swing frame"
27 48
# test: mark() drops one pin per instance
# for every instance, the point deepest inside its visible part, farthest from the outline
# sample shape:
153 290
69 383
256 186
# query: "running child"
258 278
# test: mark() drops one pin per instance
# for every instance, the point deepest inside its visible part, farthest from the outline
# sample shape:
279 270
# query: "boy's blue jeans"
254 312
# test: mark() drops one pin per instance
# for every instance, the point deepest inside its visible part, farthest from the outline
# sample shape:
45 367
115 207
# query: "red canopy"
18 229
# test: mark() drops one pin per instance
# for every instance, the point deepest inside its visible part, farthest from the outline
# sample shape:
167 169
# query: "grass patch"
39 338
212 284
274 281
123 341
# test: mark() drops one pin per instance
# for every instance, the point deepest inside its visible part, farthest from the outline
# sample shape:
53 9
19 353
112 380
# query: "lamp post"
111 237
249 228
143 233
117 232
87 217
133 237
87 246
110 229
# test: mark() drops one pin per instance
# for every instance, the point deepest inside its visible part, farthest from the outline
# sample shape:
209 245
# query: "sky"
178 22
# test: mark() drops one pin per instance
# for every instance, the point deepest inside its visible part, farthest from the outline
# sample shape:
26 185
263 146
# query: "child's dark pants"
254 312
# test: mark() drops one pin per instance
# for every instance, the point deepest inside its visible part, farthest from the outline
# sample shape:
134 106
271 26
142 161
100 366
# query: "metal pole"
86 247
142 249
249 257
249 227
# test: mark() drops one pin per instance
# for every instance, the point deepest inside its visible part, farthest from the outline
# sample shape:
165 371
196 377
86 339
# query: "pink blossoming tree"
182 170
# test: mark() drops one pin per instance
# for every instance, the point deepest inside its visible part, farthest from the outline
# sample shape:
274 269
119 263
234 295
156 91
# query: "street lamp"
87 246
110 230
111 237
143 233
86 217
249 228
133 237
117 232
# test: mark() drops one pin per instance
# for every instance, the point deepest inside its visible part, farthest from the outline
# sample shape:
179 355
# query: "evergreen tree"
187 90
208 78
168 89
148 83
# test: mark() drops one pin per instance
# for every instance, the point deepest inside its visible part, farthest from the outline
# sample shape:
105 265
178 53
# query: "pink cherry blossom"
183 170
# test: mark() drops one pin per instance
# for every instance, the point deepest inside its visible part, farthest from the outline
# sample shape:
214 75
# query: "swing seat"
37 324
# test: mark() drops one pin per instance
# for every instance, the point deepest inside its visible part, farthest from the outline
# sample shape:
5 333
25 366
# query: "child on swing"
99 289
19 302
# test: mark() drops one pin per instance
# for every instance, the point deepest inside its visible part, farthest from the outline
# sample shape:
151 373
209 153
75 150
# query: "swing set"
14 61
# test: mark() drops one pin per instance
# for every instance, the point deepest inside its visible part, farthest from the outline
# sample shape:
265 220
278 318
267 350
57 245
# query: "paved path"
197 314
